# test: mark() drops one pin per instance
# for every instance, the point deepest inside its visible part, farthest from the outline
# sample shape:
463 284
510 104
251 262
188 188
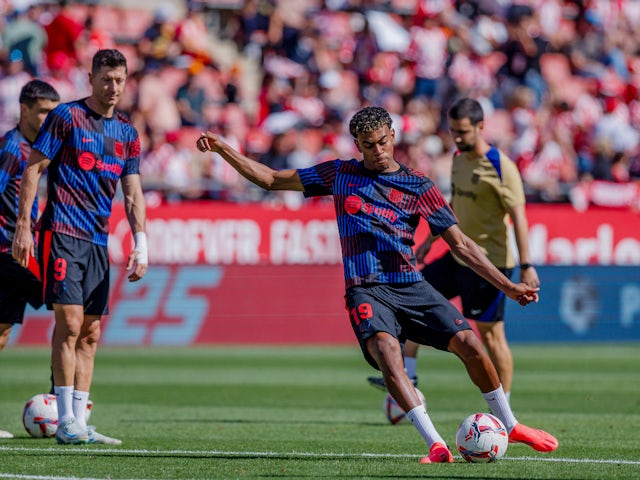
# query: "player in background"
487 191
88 147
379 203
19 286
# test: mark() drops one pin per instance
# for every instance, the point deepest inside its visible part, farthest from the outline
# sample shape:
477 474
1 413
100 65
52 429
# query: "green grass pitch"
307 412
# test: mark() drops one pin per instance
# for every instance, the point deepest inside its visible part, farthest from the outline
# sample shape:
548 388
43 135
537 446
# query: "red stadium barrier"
226 273
232 234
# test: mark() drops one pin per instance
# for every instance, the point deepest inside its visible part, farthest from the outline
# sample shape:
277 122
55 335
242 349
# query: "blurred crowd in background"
559 82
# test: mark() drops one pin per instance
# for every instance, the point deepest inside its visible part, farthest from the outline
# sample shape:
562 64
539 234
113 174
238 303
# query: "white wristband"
142 256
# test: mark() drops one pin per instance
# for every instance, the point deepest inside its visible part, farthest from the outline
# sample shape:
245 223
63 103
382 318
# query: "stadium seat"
498 128
125 24
187 137
172 78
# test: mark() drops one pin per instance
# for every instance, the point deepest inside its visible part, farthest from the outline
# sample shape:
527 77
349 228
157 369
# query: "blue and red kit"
377 215
14 152
89 153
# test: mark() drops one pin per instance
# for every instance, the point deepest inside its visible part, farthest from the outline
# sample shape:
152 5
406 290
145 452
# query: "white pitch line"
222 453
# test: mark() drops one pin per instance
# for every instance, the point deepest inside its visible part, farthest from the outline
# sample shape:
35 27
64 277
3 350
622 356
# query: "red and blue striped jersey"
14 152
89 153
377 215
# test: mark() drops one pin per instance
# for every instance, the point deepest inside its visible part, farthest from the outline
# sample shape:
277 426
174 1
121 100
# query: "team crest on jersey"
119 149
394 195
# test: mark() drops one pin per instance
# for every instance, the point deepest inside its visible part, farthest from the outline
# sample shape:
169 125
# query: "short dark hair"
108 58
38 90
369 119
467 108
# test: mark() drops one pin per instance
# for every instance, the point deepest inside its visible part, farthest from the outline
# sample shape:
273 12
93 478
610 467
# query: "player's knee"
92 333
466 345
66 332
383 345
493 340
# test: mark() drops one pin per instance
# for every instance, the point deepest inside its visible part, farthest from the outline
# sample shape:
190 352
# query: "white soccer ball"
40 416
392 410
482 438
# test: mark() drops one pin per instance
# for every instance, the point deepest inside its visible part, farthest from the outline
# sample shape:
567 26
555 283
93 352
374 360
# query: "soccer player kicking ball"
87 147
378 204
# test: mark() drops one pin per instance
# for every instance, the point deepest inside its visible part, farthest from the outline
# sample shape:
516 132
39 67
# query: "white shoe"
5 434
71 433
95 437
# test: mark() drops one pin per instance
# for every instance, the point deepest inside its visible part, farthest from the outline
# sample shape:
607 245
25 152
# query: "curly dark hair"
369 119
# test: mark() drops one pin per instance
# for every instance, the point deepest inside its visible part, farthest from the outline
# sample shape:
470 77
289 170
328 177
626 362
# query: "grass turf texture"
307 412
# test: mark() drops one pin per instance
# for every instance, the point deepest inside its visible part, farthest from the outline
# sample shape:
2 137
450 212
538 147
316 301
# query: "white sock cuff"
64 399
80 399
499 405
422 422
493 394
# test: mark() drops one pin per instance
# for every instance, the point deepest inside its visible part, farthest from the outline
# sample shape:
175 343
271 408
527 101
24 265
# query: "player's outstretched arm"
23 246
256 172
470 253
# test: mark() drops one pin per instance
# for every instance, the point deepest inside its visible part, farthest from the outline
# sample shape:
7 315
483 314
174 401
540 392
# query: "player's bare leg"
469 349
85 360
86 347
495 341
410 354
385 350
69 320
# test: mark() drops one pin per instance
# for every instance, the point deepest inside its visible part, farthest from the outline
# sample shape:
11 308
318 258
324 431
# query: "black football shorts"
76 272
18 286
481 301
415 312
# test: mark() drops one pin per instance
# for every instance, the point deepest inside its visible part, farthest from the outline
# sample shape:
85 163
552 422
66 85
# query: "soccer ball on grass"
40 416
482 438
392 410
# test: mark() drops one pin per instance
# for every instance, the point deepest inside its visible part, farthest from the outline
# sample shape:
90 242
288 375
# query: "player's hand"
530 277
524 294
208 141
139 269
22 247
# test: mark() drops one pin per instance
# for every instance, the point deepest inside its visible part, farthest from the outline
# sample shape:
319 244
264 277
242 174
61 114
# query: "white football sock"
499 405
421 420
80 400
64 399
410 366
508 395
